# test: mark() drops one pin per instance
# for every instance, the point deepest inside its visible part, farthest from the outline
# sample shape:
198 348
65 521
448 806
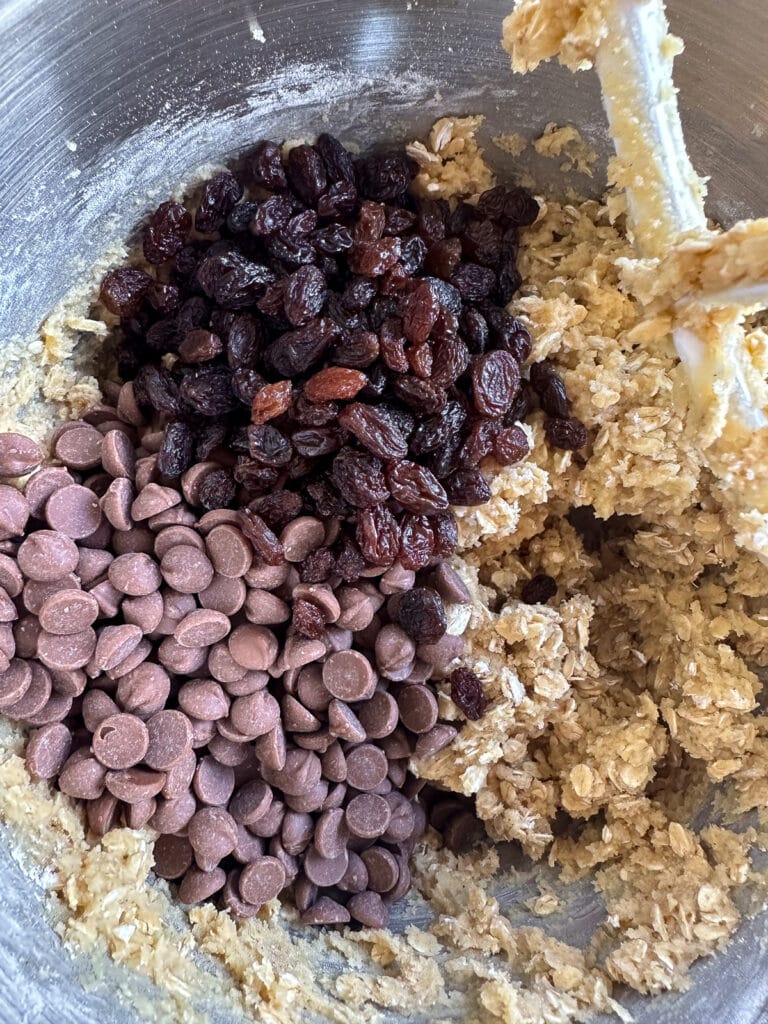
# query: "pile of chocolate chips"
229 598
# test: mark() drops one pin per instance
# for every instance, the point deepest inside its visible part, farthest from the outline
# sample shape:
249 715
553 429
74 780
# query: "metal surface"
104 104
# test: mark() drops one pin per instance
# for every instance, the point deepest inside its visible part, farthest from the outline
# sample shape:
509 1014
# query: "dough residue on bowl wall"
614 710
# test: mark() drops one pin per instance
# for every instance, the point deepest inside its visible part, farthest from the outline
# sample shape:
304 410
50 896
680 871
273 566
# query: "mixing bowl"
105 105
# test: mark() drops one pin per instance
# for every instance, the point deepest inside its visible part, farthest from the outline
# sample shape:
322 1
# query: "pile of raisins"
343 343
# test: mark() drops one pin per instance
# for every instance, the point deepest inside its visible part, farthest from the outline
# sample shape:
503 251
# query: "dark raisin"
495 382
474 327
420 313
392 345
422 396
491 203
328 503
443 256
400 418
359 293
123 289
243 341
430 223
156 387
294 352
480 441
255 478
524 403
176 451
332 239
538 590
209 438
472 281
520 208
467 693
570 433
271 305
200 346
271 216
193 312
448 296
264 541
316 441
420 359
446 534
510 446
356 349
395 281
306 173
220 193
415 487
278 509
246 384
507 332
445 461
374 431
312 414
317 566
482 242
509 280
440 430
413 254
549 386
359 478
372 259
300 225
371 221
398 220
209 390
268 446
451 359
457 219
166 232
304 293
350 564
383 308
417 542
384 177
421 614
378 535
338 161
467 487
307 619
267 165
187 259
292 251
378 379
230 279
163 297
338 200
163 336
241 216
217 490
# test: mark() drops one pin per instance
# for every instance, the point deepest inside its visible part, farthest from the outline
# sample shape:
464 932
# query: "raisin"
241 216
350 564
271 216
446 534
166 232
549 386
445 461
467 487
194 312
271 401
264 541
230 279
451 359
378 379
373 430
415 487
332 239
271 304
457 219
293 252
440 430
417 542
398 220
384 177
356 349
509 281
372 259
510 446
333 383
507 332
495 382
395 281
200 346
524 403
328 502
474 327
480 441
217 490
443 256
359 478
538 590
294 352
176 451
422 396
378 535
421 614
448 296
520 208
278 509
570 433
491 203
430 223
209 390
156 388
420 360
482 242
338 200
310 414
304 294
267 166
123 289
163 336
467 693
371 221
307 619
255 478
268 446
472 281
164 298
246 383
413 254
400 418
383 308
300 225
209 438
317 566
338 161
315 442
359 293
392 345
420 314
220 193
220 322
306 173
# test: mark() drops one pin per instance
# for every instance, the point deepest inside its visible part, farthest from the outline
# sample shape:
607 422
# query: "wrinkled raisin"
123 289
448 296
549 386
307 619
255 478
446 533
333 239
243 341
294 352
163 297
176 451
267 165
156 387
430 222
439 431
495 382
327 501
271 401
230 279
271 216
220 193
443 256
338 161
467 693
372 259
334 382
570 433
304 294
417 541
359 293
264 541
378 535
373 430
241 216
421 614
306 173
314 442
370 223
420 314
209 438
268 446
480 441
278 509
217 490
209 390
482 242
413 254
246 383
317 566
474 326
415 487
359 478
338 200
472 281
510 446
392 345
422 396
356 349
451 359
166 232
538 590
398 220
520 208
350 564
491 203
384 177
200 346
467 487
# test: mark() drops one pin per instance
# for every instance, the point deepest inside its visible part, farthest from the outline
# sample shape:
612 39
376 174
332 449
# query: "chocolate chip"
348 675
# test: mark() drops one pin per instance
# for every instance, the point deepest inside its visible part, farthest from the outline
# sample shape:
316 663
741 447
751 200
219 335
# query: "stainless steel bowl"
106 104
